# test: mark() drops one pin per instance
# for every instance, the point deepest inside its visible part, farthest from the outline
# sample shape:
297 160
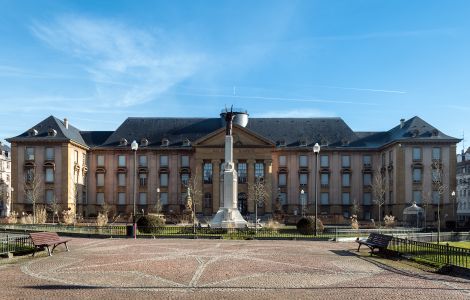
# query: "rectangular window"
324 198
207 173
185 161
49 153
100 179
163 179
259 170
142 160
324 161
29 153
163 160
121 198
121 160
367 199
282 161
242 173
436 153
122 179
303 161
49 196
29 175
282 179
383 159
435 197
345 179
303 179
84 159
345 199
324 179
100 198
100 160
367 179
75 157
417 197
49 175
416 153
283 198
390 156
143 179
185 179
346 214
367 215
366 160
164 198
143 198
416 175
345 161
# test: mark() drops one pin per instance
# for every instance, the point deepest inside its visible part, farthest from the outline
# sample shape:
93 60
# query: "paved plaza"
217 269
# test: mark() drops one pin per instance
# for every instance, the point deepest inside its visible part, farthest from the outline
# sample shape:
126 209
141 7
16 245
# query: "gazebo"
413 216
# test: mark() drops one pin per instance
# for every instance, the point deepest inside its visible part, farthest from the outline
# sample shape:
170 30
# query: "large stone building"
463 187
84 169
5 180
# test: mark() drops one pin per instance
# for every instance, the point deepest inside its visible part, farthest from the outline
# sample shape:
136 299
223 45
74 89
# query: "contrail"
362 89
275 98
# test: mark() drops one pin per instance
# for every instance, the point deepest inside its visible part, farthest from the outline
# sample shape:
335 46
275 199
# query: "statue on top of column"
229 115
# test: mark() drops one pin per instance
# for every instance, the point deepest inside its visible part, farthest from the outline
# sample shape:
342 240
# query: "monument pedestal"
228 218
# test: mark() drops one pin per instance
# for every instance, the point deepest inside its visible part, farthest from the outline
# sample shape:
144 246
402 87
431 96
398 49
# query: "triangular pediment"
242 137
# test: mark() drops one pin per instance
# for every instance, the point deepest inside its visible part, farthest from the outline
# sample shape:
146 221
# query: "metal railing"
15 243
437 253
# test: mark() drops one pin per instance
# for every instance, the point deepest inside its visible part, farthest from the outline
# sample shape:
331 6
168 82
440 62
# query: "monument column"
215 185
251 180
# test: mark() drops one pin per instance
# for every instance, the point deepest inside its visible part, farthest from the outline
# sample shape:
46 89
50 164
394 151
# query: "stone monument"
229 216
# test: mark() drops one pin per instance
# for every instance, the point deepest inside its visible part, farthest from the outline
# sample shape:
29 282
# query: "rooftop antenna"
463 140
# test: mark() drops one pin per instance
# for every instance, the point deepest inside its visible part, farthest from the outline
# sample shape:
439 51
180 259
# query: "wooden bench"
47 239
375 241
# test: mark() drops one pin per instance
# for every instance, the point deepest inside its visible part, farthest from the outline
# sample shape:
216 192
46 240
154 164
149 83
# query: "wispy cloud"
390 34
280 99
295 113
128 66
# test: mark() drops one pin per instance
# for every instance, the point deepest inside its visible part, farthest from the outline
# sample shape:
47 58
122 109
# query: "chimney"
66 123
402 123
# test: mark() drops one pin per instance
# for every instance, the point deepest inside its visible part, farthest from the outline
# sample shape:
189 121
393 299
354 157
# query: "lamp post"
302 195
453 204
134 147
316 150
157 204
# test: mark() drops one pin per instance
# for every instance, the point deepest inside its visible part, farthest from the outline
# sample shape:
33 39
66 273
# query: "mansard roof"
42 132
285 132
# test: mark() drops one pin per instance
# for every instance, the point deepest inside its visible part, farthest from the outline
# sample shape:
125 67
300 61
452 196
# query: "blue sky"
368 62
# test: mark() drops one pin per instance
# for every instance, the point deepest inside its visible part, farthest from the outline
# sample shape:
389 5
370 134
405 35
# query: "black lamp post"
134 147
316 150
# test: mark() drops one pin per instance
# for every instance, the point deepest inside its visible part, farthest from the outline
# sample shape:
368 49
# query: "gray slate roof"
292 132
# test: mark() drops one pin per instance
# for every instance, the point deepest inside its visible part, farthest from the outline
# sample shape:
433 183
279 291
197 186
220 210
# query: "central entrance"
242 203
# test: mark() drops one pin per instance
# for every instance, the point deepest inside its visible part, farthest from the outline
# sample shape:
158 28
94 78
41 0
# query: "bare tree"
194 196
33 189
379 188
437 175
54 207
5 197
356 207
426 201
259 192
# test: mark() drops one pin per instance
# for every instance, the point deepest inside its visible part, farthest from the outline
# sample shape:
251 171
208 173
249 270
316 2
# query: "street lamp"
157 205
316 150
134 147
453 204
302 192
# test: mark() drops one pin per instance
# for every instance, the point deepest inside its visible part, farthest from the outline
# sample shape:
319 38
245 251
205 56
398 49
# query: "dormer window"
51 132
123 142
415 133
281 143
144 142
303 142
186 143
435 132
32 132
165 142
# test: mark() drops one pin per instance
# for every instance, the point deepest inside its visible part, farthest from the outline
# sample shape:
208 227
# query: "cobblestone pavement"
217 269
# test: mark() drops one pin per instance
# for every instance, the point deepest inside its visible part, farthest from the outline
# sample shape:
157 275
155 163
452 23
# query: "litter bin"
130 230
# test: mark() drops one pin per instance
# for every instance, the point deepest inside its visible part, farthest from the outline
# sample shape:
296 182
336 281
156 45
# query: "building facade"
463 188
83 170
5 180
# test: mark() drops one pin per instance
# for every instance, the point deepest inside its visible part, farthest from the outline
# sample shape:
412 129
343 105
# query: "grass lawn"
465 244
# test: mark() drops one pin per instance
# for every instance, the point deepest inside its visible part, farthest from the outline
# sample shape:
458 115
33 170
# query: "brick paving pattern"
217 269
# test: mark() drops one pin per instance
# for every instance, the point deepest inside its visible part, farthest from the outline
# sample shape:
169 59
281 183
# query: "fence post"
336 233
447 254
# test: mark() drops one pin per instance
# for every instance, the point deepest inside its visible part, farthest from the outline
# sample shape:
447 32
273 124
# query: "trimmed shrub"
150 224
306 225
41 214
